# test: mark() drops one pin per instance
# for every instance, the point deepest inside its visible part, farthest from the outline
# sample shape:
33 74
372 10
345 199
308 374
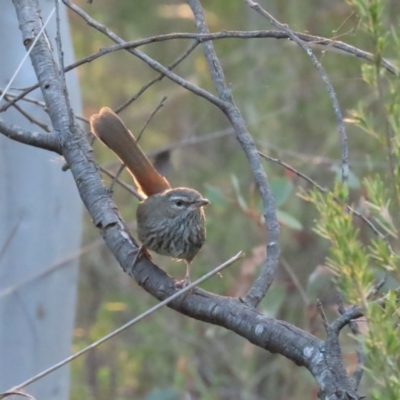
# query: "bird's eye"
179 203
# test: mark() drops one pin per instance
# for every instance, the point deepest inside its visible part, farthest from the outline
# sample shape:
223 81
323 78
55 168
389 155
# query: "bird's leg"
187 275
186 280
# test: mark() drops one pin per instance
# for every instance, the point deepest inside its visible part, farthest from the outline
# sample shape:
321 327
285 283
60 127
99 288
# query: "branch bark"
47 141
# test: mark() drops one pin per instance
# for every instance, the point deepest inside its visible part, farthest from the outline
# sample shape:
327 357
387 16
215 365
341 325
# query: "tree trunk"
40 219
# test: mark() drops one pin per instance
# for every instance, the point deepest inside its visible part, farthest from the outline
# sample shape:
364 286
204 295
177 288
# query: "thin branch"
29 117
369 223
26 91
190 141
145 58
316 42
47 141
194 140
321 311
124 327
157 78
325 79
354 312
261 285
349 315
333 357
40 104
151 116
295 281
358 373
16 393
378 286
116 178
129 188
30 49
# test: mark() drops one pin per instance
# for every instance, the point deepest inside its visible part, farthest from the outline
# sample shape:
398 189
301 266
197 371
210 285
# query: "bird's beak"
202 202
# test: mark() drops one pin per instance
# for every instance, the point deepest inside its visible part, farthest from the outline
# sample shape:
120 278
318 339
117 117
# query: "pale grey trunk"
40 226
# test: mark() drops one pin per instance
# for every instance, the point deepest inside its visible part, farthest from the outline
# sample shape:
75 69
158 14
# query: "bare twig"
32 45
369 223
40 104
316 42
358 373
116 178
295 280
355 312
321 311
266 277
29 117
145 58
129 188
194 140
124 327
151 116
16 393
158 77
378 286
325 79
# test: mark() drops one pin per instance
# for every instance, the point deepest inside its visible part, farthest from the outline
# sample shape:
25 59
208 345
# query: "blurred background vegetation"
289 114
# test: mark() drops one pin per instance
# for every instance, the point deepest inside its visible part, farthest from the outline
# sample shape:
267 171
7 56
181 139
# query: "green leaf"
239 197
282 188
288 220
215 196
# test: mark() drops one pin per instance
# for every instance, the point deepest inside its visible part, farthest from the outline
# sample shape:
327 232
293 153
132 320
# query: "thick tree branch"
47 141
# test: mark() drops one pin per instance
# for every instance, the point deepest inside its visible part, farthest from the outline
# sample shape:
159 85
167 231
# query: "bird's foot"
182 283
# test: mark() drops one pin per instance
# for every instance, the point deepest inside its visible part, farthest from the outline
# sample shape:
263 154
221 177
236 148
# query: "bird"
170 221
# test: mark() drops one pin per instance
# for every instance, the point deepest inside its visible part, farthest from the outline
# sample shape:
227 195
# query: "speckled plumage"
172 223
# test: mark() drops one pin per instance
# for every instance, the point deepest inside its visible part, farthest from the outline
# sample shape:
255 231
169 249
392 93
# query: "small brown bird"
170 222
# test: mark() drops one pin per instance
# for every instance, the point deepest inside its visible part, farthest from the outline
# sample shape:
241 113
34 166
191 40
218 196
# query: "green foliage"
383 348
355 259
348 259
